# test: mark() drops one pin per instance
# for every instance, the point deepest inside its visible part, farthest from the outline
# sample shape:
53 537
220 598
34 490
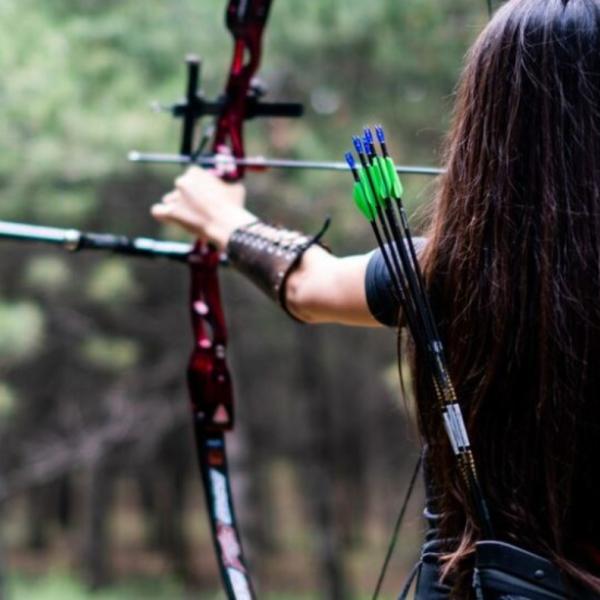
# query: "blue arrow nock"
358 144
353 166
368 141
350 160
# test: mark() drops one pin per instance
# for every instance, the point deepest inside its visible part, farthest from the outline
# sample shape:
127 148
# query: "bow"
209 380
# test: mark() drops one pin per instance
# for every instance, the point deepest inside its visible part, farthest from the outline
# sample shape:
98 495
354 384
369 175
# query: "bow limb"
209 380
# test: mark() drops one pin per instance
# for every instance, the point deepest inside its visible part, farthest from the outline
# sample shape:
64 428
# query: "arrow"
260 163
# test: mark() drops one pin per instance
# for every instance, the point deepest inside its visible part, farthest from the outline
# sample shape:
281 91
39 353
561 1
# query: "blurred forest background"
99 491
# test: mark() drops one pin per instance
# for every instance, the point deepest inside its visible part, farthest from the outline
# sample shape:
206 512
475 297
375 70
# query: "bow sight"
195 106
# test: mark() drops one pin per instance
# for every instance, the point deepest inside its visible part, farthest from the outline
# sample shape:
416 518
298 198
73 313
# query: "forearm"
328 289
308 282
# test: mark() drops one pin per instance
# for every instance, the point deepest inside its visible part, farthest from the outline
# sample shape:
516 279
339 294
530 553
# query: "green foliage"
21 331
74 205
112 282
79 75
49 274
111 354
8 400
61 586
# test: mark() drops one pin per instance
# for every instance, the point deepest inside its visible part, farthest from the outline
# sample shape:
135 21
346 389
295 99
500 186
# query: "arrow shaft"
259 162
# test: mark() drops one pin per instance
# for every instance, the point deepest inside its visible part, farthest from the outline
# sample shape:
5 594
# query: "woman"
512 263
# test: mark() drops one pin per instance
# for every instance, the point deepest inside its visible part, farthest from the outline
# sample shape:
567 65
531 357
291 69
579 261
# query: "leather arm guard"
268 255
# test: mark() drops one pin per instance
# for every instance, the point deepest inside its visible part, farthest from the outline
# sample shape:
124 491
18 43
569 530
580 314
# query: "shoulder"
382 298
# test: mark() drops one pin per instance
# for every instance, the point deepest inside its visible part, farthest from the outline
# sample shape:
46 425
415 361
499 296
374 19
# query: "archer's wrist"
219 233
268 255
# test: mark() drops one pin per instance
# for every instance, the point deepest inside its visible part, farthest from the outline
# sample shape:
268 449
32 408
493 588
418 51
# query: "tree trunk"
3 592
319 463
175 473
64 502
97 505
37 517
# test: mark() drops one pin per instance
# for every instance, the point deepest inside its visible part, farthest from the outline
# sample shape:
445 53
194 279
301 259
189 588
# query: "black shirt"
382 298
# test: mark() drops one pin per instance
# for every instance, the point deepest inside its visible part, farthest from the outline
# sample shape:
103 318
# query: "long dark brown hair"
513 269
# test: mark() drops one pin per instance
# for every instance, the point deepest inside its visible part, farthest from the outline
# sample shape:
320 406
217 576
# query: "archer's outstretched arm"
328 289
321 289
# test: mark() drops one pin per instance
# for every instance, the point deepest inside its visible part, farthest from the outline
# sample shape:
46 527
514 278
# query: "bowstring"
398 526
490 7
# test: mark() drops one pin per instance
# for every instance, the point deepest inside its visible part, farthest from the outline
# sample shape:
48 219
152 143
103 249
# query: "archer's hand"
204 205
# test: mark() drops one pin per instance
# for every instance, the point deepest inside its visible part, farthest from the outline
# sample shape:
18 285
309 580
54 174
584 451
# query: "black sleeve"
382 298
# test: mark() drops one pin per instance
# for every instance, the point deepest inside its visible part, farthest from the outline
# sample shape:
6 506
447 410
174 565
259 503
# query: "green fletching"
361 201
384 174
379 184
396 188
367 189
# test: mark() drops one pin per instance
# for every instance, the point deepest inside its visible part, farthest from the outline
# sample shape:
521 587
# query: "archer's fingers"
194 176
169 214
161 212
177 215
169 208
171 197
